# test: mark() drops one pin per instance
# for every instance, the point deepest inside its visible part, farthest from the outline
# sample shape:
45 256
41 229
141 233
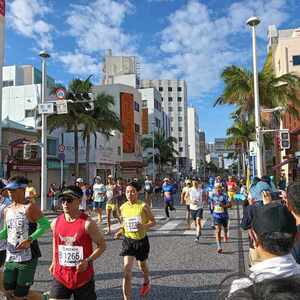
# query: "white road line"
165 229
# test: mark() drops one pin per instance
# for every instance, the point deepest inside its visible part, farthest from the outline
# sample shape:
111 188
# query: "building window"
180 149
179 108
172 128
179 99
137 128
296 60
136 106
157 123
179 89
170 108
179 119
180 129
171 119
170 99
162 99
7 83
160 88
169 89
119 150
180 139
52 147
144 103
29 113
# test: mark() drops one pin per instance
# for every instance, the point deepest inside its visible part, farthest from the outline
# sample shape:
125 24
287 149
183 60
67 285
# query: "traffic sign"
61 107
46 108
61 156
60 93
61 148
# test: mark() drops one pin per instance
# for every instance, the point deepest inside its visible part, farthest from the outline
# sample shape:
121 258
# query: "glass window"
180 149
144 103
137 128
172 128
52 147
160 88
179 99
296 60
180 129
170 99
180 139
136 106
169 89
170 108
7 83
179 89
179 108
29 113
119 150
179 119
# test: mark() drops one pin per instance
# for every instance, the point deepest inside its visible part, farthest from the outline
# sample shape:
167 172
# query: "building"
21 93
174 96
193 138
285 47
2 46
202 145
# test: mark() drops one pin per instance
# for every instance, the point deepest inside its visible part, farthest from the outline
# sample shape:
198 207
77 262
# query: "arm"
51 268
3 231
150 217
97 237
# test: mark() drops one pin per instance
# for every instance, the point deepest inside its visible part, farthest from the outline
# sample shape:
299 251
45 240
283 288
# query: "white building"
2 45
193 138
174 96
21 93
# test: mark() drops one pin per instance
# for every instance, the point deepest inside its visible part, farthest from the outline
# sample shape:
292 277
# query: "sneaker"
196 240
145 289
219 250
168 219
226 239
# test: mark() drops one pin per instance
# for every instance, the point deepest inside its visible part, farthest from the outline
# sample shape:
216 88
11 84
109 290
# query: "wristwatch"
90 261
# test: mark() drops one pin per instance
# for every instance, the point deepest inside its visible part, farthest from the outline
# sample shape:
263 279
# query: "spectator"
293 203
261 186
282 182
274 231
51 194
30 192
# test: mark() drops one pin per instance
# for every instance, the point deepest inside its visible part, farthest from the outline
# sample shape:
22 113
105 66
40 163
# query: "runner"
185 200
120 193
209 192
137 220
231 188
157 188
99 197
73 255
24 223
196 196
80 183
220 205
111 207
30 192
168 190
148 188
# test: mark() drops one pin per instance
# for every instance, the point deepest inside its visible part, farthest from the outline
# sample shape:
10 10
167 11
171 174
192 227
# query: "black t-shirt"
296 248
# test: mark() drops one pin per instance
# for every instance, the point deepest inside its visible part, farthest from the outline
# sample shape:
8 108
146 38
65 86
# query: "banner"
2 7
145 128
127 122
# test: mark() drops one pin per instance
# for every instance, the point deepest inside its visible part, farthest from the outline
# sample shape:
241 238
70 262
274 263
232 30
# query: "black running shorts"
137 248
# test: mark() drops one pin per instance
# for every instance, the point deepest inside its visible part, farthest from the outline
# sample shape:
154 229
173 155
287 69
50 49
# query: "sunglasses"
68 200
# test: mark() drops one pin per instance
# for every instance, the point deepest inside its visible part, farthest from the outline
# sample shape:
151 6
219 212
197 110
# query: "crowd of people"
271 217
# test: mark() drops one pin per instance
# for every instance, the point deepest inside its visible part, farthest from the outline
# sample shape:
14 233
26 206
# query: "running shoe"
219 250
196 240
226 239
145 289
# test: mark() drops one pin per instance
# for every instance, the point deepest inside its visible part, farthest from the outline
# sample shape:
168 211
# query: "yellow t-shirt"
133 214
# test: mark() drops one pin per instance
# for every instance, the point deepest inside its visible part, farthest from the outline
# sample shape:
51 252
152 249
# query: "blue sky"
185 39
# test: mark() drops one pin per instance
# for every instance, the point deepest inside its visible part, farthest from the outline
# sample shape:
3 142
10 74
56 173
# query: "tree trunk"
87 157
76 152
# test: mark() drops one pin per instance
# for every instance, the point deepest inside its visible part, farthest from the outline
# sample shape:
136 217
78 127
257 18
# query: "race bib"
131 224
70 256
218 209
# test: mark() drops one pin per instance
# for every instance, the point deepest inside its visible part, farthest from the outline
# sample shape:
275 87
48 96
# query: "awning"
283 163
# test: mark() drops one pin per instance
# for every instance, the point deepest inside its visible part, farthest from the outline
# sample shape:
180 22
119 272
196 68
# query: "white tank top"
17 231
196 201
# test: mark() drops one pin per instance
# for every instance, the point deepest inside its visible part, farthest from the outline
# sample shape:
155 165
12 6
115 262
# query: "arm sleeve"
43 226
3 233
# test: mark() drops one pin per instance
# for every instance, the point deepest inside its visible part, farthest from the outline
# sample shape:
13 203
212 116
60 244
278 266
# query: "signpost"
60 93
61 156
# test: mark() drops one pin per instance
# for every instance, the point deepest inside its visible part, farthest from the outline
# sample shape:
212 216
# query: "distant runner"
168 190
185 200
99 197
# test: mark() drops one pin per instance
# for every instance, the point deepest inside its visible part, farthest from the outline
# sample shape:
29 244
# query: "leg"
128 264
167 210
218 237
108 213
198 227
225 226
145 270
100 215
9 279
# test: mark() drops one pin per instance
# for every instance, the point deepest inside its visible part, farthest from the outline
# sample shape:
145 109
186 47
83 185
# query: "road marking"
168 226
193 231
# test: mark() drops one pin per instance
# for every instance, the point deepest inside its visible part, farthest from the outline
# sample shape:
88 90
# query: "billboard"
2 7
127 122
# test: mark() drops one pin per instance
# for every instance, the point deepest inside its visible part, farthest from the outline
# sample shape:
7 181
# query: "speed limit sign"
61 148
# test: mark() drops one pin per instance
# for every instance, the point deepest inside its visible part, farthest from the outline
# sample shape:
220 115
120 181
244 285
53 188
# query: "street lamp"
153 152
253 22
44 56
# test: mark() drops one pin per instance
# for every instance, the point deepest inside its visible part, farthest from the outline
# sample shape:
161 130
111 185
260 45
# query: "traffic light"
285 139
27 151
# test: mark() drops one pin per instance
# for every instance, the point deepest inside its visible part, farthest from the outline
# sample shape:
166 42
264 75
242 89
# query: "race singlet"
70 256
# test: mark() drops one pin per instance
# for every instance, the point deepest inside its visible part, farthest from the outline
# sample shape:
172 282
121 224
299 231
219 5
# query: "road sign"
61 107
61 156
253 148
46 108
60 93
61 148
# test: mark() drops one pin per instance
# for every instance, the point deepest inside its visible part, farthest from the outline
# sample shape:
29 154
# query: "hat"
71 191
79 180
273 217
14 185
2 185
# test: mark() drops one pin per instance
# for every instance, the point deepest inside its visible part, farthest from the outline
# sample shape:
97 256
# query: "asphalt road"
180 268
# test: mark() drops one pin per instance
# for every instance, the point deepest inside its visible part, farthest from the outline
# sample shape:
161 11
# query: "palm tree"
101 119
273 91
165 147
77 91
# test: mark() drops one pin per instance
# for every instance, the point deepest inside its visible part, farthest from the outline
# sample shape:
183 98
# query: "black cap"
135 184
71 191
273 217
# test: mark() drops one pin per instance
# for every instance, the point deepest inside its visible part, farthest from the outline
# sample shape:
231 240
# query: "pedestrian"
282 182
274 231
168 190
148 189
120 192
209 192
30 192
137 220
74 233
24 223
220 205
232 187
185 200
196 197
51 196
83 204
99 197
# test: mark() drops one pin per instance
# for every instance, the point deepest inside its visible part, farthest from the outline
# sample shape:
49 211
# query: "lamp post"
153 152
44 55
253 22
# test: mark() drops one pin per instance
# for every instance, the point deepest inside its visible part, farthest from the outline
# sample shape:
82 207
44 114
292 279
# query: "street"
180 268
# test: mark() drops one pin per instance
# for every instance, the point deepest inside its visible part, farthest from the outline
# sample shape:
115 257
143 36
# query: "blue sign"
61 156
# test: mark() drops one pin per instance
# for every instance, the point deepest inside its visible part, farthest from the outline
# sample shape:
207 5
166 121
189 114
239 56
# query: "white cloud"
197 46
26 18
